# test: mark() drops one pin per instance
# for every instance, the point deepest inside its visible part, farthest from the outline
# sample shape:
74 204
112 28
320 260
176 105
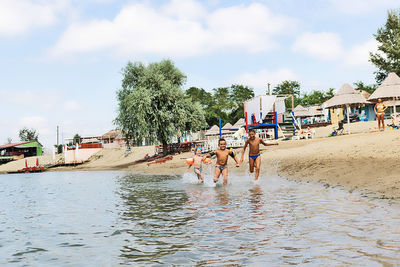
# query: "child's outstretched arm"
268 144
243 150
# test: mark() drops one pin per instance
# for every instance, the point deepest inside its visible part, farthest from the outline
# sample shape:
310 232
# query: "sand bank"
365 160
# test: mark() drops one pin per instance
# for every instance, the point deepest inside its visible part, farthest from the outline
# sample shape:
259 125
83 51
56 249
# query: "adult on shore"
379 109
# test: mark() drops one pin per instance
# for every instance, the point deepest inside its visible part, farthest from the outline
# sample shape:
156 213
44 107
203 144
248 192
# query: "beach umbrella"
346 97
388 90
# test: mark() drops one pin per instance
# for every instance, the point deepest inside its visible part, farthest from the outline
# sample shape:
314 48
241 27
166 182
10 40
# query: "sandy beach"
366 160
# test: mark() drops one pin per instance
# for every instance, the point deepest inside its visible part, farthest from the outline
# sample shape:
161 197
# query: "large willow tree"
153 105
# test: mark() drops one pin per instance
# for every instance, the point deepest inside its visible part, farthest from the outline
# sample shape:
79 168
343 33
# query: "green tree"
387 59
26 134
206 101
369 88
316 97
238 95
77 139
221 105
152 104
9 140
288 88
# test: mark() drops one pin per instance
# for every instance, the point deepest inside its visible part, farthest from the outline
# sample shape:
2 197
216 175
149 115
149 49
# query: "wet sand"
365 160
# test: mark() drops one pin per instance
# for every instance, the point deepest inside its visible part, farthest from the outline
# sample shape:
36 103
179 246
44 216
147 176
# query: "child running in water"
254 153
198 165
222 160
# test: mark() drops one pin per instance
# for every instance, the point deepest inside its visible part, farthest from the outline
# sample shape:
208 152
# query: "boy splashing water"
222 160
198 165
254 153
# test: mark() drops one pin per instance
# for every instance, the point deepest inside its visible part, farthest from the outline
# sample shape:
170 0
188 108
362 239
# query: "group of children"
223 154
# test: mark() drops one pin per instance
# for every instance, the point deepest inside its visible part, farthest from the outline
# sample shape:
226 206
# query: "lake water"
117 218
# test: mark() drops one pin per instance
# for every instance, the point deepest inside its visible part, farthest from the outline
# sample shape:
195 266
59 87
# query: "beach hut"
300 112
346 97
240 123
214 130
388 90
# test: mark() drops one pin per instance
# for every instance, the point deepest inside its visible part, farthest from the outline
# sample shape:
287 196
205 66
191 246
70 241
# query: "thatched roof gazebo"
239 123
300 111
214 130
346 97
388 90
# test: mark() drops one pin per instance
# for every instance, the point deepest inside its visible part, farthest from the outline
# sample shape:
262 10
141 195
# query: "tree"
9 140
387 59
369 88
152 104
26 134
77 139
288 88
206 101
239 94
316 97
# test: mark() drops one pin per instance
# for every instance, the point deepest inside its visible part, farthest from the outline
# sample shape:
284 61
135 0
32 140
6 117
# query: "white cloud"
362 7
188 9
19 16
328 47
38 123
325 45
359 54
72 105
171 31
48 99
259 80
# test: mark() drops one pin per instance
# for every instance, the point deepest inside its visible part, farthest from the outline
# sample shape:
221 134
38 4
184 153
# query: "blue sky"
60 60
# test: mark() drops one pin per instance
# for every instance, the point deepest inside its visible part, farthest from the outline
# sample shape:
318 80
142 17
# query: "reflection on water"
116 218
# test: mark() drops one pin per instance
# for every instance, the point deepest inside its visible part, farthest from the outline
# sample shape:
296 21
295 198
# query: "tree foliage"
152 104
387 59
26 134
361 86
223 102
316 97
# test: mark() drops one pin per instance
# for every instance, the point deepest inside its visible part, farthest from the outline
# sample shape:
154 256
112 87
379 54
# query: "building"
20 150
113 139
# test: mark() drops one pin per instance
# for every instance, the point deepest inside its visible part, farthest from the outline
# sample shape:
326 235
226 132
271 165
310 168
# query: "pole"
269 90
395 112
220 128
57 137
348 119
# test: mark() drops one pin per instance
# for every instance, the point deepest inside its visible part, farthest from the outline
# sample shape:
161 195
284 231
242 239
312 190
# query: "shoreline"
366 160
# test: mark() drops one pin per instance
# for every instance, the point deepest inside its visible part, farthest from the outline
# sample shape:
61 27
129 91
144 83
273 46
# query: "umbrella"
388 90
346 97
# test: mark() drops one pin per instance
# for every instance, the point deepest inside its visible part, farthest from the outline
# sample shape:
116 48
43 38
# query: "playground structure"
269 112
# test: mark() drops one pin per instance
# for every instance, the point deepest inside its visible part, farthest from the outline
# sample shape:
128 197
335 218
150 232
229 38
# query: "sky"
61 60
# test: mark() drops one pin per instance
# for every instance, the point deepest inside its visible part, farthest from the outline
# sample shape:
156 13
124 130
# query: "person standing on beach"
222 160
380 108
254 153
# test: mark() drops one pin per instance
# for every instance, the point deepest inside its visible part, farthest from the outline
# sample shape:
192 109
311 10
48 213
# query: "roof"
239 123
300 111
213 130
112 134
346 96
227 126
14 144
389 89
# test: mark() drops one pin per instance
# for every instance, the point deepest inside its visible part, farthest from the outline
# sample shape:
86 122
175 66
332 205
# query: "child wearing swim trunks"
254 153
222 160
198 164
